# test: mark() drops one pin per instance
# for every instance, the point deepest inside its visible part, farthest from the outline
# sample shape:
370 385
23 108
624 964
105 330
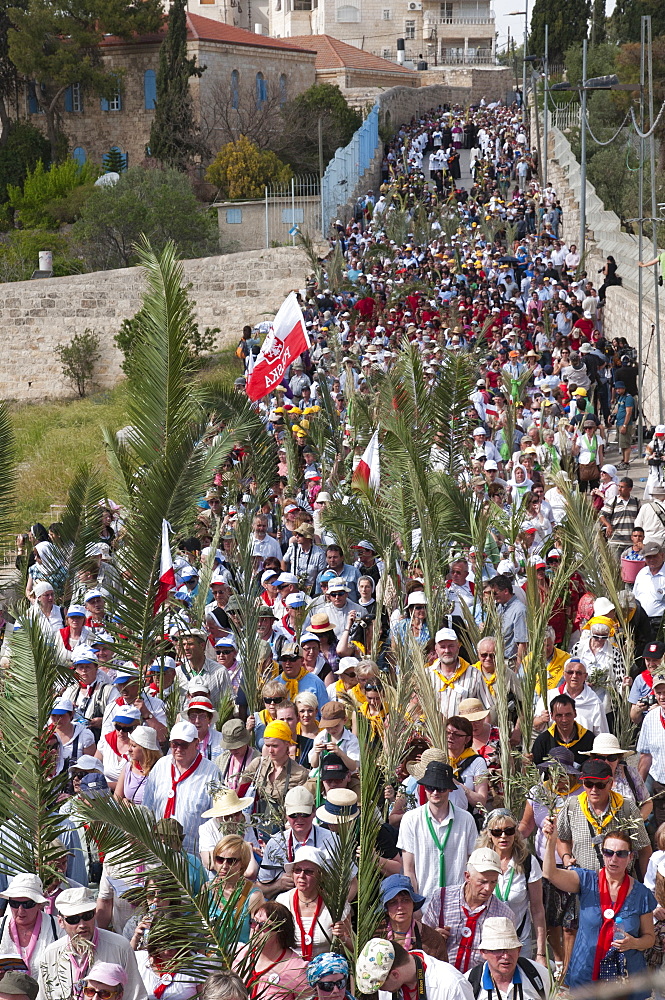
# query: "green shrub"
78 359
19 254
200 342
24 147
43 188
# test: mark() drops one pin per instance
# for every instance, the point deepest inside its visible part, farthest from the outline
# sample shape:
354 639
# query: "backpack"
523 964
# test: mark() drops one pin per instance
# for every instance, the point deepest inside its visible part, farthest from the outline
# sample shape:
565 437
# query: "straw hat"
472 709
417 768
320 622
226 803
341 804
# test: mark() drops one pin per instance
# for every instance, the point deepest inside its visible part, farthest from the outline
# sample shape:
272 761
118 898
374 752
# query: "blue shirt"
623 403
639 901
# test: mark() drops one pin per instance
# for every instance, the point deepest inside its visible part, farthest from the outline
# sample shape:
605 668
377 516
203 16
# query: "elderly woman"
273 693
415 622
236 753
608 489
314 926
347 682
616 912
401 904
602 658
74 738
201 713
520 883
230 859
278 972
26 930
519 485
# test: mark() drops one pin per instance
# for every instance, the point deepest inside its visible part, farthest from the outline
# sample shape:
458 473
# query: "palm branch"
7 476
337 872
30 793
249 644
233 411
369 873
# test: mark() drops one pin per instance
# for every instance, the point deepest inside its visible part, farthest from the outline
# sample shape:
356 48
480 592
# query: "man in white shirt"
459 588
651 748
651 517
589 711
436 839
500 949
178 785
300 831
386 968
453 678
649 586
66 963
263 544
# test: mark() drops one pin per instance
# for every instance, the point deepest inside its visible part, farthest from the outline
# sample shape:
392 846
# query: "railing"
433 19
292 207
565 118
480 59
347 167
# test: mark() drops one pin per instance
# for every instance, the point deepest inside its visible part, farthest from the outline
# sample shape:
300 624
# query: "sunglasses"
77 775
80 918
178 745
90 991
595 784
299 815
124 729
607 757
258 923
273 701
226 861
431 788
25 904
309 872
336 984
506 831
619 854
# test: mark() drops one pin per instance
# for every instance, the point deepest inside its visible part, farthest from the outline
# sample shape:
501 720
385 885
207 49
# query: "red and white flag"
286 340
367 473
166 574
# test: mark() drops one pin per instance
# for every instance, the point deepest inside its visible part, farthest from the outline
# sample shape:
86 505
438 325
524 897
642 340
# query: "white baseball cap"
184 731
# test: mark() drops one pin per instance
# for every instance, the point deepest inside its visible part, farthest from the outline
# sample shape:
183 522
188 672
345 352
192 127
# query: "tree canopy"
567 21
298 142
242 170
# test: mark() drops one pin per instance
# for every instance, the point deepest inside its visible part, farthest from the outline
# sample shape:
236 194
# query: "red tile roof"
207 30
331 53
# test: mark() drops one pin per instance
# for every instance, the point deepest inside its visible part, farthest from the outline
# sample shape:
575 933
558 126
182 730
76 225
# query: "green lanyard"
440 844
506 894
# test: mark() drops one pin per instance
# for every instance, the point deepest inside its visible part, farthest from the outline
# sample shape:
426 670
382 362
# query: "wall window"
235 89
149 89
386 15
74 98
446 12
33 103
261 88
409 29
79 155
302 4
113 104
348 14
282 89
233 216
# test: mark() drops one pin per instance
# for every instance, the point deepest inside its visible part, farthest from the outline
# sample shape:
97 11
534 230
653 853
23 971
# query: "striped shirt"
455 917
192 796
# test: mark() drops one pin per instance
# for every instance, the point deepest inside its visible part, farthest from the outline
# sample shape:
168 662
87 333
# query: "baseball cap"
484 859
654 650
184 731
598 768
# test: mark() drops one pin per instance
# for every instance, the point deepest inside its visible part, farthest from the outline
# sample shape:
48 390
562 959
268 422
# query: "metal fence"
347 167
292 208
565 118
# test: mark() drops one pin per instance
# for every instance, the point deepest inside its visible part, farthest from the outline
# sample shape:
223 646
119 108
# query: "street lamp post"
519 13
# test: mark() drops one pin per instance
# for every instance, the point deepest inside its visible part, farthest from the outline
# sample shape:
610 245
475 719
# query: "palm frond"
369 873
80 521
233 412
7 476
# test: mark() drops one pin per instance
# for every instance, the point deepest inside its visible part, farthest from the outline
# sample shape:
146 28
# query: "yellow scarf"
291 683
490 681
375 721
554 669
456 761
580 733
265 717
616 801
447 682
572 788
601 620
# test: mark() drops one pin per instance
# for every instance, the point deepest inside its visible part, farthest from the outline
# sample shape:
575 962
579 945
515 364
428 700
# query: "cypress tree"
173 136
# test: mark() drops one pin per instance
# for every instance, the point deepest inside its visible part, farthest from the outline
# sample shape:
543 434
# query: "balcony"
432 19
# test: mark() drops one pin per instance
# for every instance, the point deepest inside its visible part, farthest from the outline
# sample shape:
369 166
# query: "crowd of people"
471 895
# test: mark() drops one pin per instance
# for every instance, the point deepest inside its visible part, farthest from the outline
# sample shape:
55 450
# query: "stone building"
241 66
353 69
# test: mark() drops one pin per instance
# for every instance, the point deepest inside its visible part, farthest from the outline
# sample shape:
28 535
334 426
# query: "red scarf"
647 678
306 937
607 907
112 740
662 720
165 980
466 942
253 981
175 781
64 633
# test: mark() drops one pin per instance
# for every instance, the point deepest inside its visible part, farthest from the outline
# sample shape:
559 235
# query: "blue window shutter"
119 99
125 161
150 89
104 104
33 103
69 101
79 155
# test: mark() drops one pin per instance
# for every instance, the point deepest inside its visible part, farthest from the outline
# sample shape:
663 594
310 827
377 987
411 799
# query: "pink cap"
107 973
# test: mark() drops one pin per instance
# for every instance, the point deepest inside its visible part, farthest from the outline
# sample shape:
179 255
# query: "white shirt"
652 741
415 837
192 796
265 547
56 971
181 987
649 590
518 895
589 711
347 742
451 695
49 932
442 982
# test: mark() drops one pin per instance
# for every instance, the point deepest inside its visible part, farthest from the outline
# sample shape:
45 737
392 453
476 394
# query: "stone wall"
227 291
603 237
469 84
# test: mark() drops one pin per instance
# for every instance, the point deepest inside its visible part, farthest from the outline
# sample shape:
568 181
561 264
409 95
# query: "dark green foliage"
132 331
625 19
78 359
23 148
299 144
159 203
19 254
173 137
567 20
113 161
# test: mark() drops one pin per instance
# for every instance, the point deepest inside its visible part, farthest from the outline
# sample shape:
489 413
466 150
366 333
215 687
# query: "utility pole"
545 102
654 224
640 245
583 157
526 31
